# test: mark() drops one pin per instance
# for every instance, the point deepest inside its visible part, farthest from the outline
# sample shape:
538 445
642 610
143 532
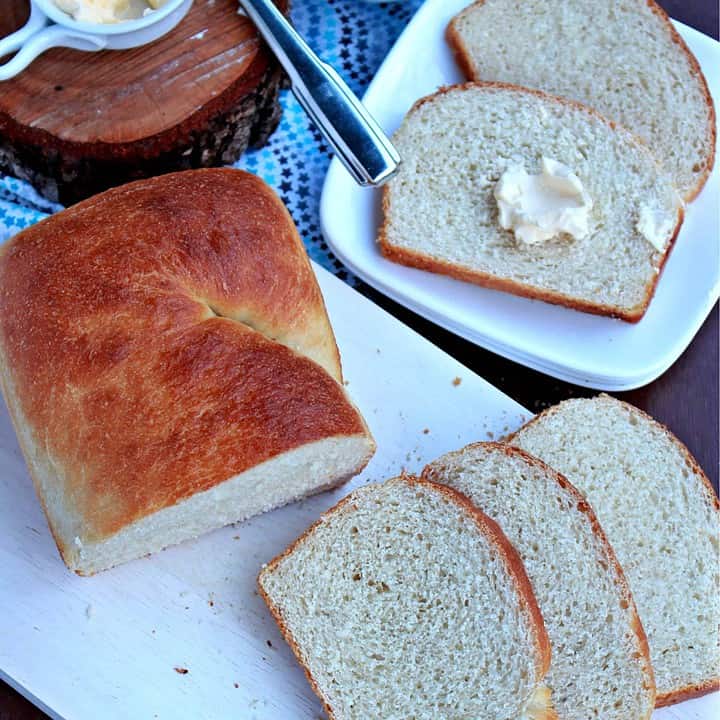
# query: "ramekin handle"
36 36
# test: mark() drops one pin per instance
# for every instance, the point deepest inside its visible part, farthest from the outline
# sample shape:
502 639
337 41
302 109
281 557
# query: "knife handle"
344 122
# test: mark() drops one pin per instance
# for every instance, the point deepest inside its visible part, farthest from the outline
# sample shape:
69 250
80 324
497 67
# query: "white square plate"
588 350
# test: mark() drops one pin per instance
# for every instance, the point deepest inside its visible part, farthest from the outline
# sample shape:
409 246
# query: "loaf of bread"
441 212
169 365
622 57
600 664
405 601
661 517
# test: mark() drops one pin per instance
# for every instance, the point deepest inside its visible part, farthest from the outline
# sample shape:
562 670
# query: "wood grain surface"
123 96
76 123
685 398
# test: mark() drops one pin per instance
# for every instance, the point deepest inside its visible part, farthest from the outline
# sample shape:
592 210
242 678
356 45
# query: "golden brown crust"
488 527
689 459
423 261
121 357
494 84
687 693
430 264
540 705
12 407
462 55
464 59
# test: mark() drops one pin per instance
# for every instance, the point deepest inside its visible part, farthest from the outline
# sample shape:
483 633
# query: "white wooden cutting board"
108 647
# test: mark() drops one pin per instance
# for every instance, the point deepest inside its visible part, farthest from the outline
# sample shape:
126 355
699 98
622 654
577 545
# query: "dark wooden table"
685 398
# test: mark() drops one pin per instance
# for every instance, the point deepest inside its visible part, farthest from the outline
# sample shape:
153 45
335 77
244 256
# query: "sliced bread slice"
405 601
441 213
624 58
600 664
661 517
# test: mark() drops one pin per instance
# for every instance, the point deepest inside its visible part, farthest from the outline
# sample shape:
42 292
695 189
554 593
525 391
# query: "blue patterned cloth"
354 36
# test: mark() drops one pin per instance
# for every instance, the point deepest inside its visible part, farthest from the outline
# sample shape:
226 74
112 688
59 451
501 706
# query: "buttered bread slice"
523 192
622 57
405 601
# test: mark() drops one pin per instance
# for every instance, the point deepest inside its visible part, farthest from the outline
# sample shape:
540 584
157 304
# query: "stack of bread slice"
641 143
661 516
600 662
493 587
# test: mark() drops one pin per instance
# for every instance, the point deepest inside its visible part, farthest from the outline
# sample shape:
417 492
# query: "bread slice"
624 58
661 517
169 365
600 664
405 601
441 214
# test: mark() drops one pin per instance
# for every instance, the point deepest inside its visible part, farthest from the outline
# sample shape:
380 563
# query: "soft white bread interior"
661 517
169 365
622 57
600 665
441 213
405 601
291 476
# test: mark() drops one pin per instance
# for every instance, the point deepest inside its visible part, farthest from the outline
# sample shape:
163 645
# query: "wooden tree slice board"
75 123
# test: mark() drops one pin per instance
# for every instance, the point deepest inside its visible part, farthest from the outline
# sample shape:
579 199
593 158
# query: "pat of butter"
107 11
656 226
540 207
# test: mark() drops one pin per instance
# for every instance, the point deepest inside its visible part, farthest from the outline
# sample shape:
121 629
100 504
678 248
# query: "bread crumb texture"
600 667
399 606
623 58
441 214
661 517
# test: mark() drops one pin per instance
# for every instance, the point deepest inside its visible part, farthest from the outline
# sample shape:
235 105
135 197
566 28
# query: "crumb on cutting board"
181 670
456 381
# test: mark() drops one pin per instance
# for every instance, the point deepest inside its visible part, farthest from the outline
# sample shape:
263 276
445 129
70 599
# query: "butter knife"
342 119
